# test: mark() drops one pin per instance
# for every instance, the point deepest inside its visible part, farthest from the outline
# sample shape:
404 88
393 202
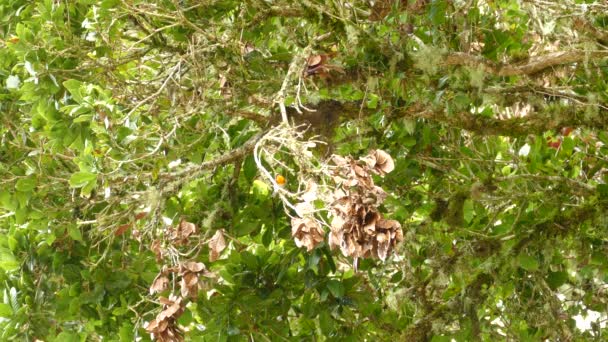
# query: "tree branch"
328 114
192 171
534 65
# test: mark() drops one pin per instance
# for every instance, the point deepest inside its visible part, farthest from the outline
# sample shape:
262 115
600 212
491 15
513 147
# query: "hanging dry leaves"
155 247
217 243
179 235
380 162
164 327
193 266
160 284
357 227
307 232
190 272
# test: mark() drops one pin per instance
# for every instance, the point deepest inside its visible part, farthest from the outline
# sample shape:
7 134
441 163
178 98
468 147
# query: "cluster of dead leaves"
179 235
305 229
164 326
307 232
188 274
358 228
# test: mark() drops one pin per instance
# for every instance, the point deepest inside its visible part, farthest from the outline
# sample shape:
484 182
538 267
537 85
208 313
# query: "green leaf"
6 311
246 227
25 184
73 86
557 279
6 200
468 210
65 336
82 178
528 263
260 189
126 333
372 102
602 190
8 262
326 323
336 288
12 243
75 233
250 169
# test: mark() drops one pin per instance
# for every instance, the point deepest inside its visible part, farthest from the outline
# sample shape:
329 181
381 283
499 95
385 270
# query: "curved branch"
534 65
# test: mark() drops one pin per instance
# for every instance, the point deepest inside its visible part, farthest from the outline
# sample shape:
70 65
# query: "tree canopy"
422 170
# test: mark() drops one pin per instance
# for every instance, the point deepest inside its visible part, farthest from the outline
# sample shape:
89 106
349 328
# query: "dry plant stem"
295 68
257 155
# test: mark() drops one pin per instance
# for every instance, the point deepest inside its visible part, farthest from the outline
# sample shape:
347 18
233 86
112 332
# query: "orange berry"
280 180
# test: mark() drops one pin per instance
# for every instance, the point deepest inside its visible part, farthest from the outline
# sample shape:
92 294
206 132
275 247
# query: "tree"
275 170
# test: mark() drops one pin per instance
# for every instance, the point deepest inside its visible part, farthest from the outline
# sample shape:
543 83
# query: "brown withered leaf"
216 244
165 300
140 215
314 61
335 239
173 308
306 232
383 245
339 160
384 162
160 284
170 311
311 192
122 229
156 326
189 285
155 247
185 229
389 224
193 266
369 224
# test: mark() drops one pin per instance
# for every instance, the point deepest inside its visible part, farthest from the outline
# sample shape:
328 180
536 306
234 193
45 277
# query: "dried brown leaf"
217 244
165 301
314 61
152 325
384 162
170 312
155 247
304 209
186 229
189 284
193 266
306 232
160 284
122 229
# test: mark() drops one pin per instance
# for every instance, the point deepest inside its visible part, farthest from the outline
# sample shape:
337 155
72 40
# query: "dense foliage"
156 175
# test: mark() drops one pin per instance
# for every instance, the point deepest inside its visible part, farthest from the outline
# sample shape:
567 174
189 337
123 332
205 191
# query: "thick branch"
193 171
328 114
534 65
600 35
